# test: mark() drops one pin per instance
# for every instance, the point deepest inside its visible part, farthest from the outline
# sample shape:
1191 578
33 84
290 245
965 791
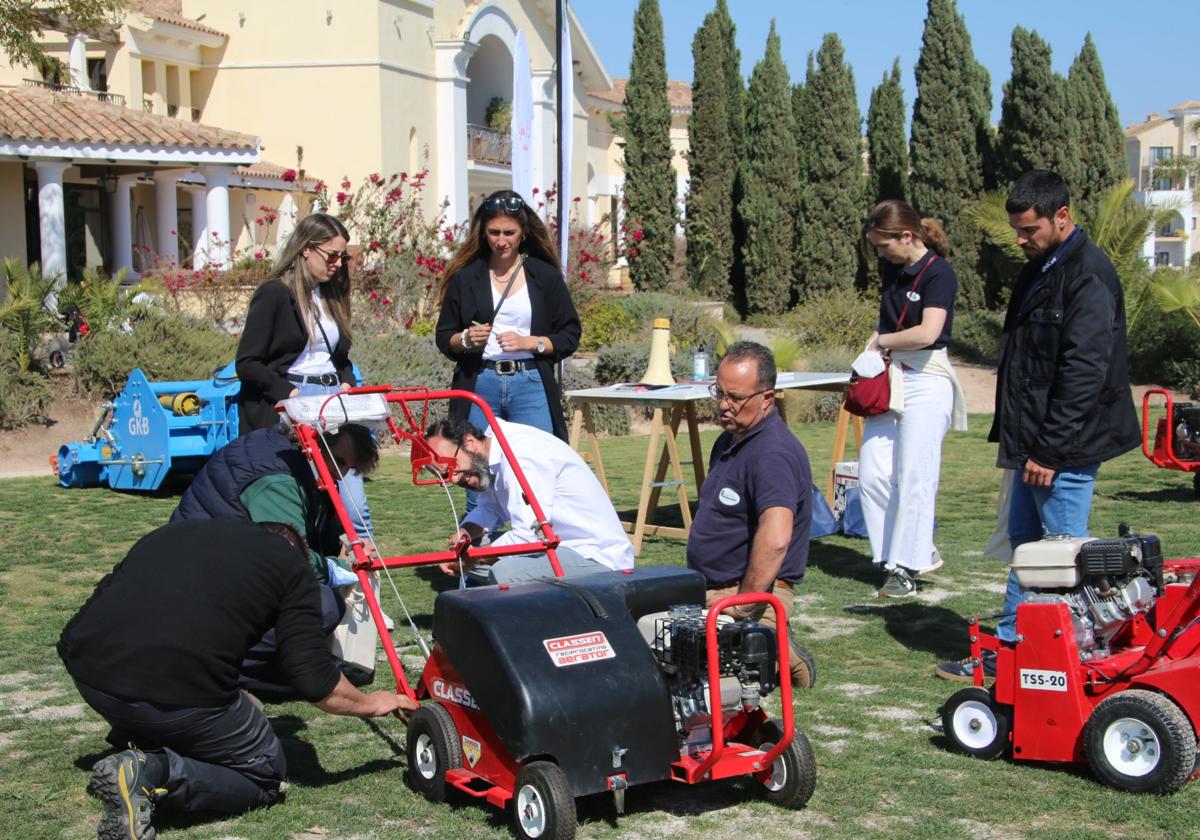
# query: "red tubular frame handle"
714 678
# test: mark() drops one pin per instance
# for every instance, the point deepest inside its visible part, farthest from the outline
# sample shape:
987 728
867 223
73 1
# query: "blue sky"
1148 52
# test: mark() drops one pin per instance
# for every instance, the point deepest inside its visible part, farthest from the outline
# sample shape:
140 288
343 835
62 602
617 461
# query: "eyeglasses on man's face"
333 257
733 399
511 203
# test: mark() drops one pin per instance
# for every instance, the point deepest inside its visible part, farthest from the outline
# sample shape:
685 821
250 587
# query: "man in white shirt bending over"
571 498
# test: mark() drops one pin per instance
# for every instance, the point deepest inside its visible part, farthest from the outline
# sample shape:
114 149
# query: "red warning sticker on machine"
576 650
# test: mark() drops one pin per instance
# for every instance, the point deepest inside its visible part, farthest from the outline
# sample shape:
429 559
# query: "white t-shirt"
516 314
568 491
315 358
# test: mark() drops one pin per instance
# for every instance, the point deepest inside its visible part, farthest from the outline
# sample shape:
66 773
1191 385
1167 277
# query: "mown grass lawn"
883 771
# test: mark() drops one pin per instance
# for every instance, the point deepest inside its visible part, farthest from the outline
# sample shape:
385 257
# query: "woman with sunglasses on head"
901 452
296 339
507 316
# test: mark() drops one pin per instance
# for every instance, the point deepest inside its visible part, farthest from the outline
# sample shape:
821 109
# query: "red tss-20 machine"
1105 670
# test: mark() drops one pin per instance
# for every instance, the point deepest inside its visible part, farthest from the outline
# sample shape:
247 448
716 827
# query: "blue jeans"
354 495
1037 512
517 397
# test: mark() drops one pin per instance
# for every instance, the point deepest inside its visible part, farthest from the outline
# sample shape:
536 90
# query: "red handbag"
872 395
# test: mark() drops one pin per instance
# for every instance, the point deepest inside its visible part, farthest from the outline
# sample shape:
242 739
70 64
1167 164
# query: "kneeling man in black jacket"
156 649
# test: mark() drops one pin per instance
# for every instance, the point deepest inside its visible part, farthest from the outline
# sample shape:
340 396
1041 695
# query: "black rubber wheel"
976 724
57 359
433 748
794 773
1141 742
543 807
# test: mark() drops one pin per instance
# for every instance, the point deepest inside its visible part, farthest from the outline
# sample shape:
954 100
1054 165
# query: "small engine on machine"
748 667
1104 582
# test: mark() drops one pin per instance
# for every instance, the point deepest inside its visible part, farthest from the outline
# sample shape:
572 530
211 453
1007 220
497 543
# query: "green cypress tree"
949 116
886 143
831 211
1102 162
735 110
650 213
767 207
1037 130
709 220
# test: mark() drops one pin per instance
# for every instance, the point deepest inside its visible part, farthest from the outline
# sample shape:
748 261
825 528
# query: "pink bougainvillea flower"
345 183
342 198
638 235
288 175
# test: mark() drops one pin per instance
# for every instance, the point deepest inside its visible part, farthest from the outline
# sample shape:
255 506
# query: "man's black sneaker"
898 584
964 670
120 783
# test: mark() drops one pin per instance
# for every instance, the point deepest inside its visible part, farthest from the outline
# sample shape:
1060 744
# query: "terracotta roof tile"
1138 128
679 94
188 23
1190 105
274 172
41 115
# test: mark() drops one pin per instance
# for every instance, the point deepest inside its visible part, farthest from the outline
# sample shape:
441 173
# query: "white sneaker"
938 562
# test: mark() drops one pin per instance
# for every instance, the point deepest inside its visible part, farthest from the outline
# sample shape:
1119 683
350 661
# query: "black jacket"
469 298
274 335
1062 388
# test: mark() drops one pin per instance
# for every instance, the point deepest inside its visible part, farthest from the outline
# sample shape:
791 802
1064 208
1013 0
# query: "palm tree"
24 312
1119 226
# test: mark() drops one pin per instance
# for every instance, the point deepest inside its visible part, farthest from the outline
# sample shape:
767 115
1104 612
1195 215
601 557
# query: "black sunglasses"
333 257
511 203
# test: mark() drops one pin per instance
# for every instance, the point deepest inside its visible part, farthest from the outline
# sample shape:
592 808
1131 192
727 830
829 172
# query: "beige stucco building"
182 121
1147 145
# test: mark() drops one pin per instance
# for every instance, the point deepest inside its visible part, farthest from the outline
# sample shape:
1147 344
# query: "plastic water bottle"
700 366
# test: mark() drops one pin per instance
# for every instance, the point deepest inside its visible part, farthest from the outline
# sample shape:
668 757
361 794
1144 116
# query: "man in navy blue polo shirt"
750 533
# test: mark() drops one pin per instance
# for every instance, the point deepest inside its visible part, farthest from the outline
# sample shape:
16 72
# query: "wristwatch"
465 338
541 345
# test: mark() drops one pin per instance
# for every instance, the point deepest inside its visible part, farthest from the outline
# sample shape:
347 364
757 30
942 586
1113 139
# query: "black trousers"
224 759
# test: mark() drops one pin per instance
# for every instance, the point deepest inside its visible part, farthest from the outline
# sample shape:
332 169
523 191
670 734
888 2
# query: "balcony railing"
489 146
98 95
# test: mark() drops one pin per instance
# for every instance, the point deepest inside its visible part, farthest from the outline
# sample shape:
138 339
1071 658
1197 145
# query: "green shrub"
975 336
25 395
167 347
1165 349
644 307
401 359
607 419
833 319
819 406
605 321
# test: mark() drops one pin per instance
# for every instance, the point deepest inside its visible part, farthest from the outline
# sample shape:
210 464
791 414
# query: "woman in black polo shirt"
901 451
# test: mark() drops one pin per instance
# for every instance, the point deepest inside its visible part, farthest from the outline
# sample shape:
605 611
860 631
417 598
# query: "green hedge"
25 395
167 347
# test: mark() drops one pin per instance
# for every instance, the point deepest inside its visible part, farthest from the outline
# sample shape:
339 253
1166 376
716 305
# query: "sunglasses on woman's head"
511 203
333 257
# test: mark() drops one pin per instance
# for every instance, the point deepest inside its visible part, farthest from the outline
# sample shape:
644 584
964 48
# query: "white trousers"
898 468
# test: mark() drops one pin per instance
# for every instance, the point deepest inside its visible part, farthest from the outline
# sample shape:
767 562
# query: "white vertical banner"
522 121
566 115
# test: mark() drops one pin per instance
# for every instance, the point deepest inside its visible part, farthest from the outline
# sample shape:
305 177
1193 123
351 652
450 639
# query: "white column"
166 216
218 250
122 224
199 224
52 219
451 62
160 87
77 61
545 149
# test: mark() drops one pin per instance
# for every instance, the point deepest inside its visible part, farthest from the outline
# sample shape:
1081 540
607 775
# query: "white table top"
687 390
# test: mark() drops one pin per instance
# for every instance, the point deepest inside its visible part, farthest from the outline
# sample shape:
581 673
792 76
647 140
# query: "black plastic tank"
560 670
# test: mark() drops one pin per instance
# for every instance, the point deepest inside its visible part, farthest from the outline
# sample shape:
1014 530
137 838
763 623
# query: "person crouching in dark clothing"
155 651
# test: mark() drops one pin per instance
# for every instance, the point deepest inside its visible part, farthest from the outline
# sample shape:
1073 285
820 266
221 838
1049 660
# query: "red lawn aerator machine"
1176 436
552 690
1105 670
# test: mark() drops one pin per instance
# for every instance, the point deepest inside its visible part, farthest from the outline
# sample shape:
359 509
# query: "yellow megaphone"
658 371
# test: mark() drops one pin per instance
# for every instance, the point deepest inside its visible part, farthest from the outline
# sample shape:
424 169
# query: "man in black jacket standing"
155 651
1063 404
